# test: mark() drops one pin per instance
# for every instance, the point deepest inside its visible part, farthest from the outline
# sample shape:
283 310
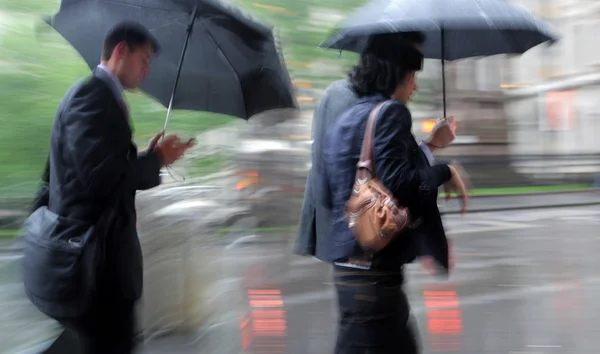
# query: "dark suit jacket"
93 165
314 230
401 166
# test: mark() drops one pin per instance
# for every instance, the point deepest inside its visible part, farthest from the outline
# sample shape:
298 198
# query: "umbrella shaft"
443 72
185 45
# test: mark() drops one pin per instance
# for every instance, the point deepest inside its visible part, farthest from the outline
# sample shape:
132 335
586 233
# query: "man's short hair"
134 34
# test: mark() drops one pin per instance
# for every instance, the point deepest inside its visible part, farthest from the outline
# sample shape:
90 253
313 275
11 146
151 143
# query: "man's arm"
319 182
100 147
324 190
148 161
395 152
336 99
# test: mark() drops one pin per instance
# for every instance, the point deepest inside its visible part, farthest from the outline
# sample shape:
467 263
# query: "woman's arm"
396 153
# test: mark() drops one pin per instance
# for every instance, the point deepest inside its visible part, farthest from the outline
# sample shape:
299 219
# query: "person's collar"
114 80
373 98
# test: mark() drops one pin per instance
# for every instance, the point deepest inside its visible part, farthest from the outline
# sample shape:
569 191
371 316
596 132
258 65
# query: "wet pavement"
21 324
524 282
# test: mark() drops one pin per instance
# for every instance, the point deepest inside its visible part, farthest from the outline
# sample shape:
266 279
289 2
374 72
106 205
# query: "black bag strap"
42 195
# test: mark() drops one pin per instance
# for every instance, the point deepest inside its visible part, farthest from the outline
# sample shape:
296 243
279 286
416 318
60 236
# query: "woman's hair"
374 75
386 62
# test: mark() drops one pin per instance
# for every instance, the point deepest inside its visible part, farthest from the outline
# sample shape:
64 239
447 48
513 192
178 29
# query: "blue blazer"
401 166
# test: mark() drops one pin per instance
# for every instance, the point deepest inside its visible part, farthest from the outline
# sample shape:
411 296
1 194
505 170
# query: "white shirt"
113 80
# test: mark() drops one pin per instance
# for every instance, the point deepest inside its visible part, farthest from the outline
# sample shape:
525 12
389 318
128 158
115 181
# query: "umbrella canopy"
455 29
231 65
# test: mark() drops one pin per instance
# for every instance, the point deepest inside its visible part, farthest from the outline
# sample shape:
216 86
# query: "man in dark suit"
93 164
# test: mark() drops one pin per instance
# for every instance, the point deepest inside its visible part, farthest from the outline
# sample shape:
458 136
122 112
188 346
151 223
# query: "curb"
544 206
535 194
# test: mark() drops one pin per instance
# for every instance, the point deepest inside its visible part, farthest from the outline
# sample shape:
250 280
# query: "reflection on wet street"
524 282
264 328
444 320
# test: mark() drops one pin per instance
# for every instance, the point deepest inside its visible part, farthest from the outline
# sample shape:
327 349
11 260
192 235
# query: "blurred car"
272 162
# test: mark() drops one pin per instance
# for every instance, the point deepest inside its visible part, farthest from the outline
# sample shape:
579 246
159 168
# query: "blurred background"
527 130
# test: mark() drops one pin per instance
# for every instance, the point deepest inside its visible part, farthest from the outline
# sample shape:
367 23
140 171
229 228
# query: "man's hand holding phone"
171 148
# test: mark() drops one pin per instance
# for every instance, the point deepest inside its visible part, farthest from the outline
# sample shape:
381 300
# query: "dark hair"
132 33
387 61
411 37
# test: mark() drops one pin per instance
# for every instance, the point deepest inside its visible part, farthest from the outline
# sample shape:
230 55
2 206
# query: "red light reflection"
264 327
444 320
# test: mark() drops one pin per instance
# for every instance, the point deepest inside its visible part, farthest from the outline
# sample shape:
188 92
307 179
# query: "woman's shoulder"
395 107
394 114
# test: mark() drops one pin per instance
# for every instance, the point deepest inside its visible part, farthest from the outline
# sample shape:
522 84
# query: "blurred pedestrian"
373 308
313 235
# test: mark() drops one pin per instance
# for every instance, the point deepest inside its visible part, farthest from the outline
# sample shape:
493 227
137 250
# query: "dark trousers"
109 328
374 315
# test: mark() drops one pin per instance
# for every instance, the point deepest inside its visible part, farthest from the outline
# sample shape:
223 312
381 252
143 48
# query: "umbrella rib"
165 25
139 6
237 75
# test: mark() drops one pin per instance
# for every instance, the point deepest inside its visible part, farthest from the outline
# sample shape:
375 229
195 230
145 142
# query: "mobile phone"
183 141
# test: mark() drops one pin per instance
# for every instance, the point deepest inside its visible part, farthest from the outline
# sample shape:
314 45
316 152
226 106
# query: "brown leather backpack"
372 212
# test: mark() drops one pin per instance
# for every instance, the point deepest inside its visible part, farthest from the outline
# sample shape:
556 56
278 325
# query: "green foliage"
302 26
44 7
36 69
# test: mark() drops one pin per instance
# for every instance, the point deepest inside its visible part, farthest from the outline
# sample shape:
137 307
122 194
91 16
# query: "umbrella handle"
185 45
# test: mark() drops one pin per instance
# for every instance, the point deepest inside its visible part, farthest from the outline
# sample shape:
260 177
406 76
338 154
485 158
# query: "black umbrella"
213 58
455 29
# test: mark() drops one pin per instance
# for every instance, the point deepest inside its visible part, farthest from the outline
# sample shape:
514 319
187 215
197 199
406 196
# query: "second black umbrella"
455 29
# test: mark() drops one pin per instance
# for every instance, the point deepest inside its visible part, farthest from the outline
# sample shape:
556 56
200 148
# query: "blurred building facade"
539 106
551 95
543 102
